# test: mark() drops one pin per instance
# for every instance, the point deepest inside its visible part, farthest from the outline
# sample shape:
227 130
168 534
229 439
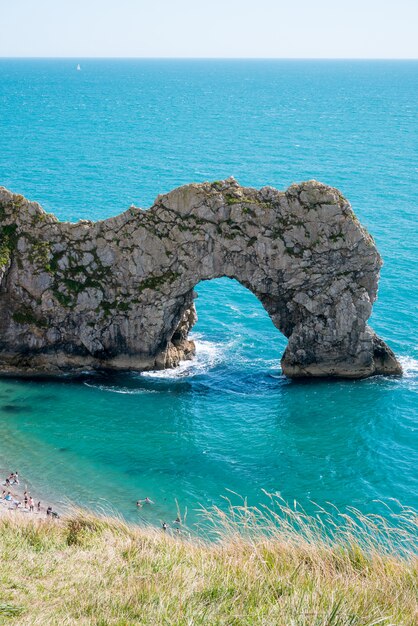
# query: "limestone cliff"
118 294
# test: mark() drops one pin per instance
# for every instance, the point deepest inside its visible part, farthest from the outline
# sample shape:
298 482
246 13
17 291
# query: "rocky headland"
118 294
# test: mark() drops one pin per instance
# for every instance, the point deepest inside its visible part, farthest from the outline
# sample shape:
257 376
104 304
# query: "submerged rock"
118 293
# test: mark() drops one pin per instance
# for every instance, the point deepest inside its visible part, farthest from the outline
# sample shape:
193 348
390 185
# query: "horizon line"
207 58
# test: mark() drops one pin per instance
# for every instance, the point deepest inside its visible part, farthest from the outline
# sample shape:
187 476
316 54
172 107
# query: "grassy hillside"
260 570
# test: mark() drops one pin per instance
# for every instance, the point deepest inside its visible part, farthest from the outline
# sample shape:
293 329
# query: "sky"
209 28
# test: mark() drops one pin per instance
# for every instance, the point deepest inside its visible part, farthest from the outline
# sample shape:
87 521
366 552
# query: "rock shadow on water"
15 408
47 397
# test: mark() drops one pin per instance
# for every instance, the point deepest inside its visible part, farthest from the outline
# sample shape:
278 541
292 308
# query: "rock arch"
118 293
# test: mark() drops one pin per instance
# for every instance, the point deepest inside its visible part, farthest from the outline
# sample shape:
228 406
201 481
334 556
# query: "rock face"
118 294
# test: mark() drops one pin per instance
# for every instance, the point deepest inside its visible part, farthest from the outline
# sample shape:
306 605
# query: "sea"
227 426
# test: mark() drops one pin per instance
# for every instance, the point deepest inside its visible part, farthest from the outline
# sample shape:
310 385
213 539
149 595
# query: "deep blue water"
88 144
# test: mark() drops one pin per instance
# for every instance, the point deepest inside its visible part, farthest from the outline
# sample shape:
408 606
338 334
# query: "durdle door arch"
118 294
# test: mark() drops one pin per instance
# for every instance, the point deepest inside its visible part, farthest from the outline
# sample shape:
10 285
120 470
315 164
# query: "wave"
209 354
122 390
409 366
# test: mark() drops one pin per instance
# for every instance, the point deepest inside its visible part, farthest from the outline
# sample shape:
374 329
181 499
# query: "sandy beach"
8 507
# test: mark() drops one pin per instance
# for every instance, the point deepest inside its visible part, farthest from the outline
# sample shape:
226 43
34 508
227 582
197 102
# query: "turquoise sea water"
86 145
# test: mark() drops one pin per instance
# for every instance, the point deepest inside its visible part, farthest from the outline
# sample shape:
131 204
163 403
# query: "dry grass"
274 566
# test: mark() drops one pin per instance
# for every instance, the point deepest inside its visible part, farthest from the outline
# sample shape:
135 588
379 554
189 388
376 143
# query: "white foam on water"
122 390
208 355
409 366
245 312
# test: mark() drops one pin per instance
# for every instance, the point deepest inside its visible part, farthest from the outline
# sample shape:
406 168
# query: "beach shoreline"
17 492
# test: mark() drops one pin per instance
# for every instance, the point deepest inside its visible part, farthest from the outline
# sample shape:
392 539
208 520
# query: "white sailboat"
78 67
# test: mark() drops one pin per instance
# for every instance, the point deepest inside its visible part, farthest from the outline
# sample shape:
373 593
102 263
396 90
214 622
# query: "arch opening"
229 314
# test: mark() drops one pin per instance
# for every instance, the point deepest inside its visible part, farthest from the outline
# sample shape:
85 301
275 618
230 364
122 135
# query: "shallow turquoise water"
86 145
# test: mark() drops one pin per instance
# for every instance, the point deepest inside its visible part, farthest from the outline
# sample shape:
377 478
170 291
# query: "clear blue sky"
209 28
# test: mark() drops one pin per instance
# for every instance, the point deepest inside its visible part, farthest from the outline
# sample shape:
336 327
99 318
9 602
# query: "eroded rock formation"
118 294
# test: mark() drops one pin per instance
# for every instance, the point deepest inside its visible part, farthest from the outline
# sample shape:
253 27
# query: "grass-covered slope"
90 570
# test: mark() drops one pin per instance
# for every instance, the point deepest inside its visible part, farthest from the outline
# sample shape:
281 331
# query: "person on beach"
31 504
8 497
164 526
7 483
39 506
3 494
16 479
25 499
49 511
17 503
